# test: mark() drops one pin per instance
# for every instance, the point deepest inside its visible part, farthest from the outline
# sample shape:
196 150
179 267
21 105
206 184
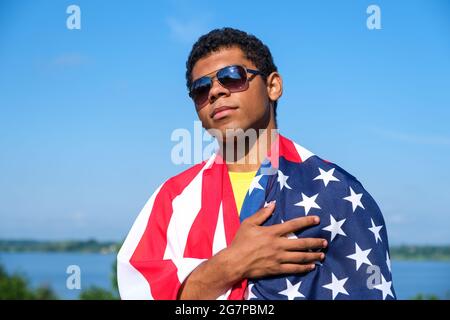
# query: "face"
238 110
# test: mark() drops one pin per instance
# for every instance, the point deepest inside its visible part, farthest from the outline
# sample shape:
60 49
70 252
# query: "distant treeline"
417 252
404 252
88 246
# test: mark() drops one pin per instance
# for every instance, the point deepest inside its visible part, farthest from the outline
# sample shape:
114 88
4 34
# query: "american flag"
193 215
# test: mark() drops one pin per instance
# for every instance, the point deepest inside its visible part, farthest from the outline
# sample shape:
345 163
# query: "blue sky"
86 115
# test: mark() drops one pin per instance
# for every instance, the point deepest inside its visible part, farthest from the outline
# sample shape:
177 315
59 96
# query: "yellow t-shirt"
240 182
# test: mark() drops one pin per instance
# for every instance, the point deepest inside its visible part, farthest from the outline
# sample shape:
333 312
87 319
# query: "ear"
274 86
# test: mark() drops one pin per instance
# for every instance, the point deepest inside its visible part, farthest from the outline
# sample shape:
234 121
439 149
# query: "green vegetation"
16 286
421 296
96 293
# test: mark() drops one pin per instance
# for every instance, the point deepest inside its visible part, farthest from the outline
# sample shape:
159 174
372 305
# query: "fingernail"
312 266
316 219
324 243
322 256
268 204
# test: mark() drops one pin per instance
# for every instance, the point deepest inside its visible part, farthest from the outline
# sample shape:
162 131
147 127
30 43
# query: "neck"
246 151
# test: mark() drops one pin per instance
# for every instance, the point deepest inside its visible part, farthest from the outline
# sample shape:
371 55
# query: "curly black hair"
254 50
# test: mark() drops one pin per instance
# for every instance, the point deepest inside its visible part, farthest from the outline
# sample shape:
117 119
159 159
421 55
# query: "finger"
289 268
303 244
295 224
262 214
302 257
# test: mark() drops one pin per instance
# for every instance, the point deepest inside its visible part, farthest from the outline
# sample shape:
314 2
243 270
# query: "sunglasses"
234 78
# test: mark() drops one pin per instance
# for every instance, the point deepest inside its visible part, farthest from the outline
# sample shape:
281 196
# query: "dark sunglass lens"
233 77
200 90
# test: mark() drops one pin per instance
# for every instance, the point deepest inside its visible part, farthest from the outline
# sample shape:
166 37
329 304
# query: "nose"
217 90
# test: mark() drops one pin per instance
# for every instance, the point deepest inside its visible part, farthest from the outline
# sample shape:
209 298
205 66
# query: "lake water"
410 277
50 269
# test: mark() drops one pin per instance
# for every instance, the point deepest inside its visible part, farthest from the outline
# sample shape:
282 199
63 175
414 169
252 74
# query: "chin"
232 131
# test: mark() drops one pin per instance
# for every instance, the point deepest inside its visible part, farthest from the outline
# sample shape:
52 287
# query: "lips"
222 111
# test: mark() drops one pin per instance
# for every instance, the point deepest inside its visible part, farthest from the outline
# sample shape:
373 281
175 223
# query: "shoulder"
329 180
313 164
337 183
330 167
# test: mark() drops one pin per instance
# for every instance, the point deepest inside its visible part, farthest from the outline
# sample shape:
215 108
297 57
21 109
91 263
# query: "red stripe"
148 255
274 152
283 147
238 291
201 236
216 189
288 150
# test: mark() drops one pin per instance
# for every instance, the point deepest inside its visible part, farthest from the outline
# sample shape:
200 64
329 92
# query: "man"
256 220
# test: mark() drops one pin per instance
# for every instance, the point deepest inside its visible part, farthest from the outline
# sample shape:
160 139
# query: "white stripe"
225 295
302 152
220 240
210 161
186 207
132 284
185 266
